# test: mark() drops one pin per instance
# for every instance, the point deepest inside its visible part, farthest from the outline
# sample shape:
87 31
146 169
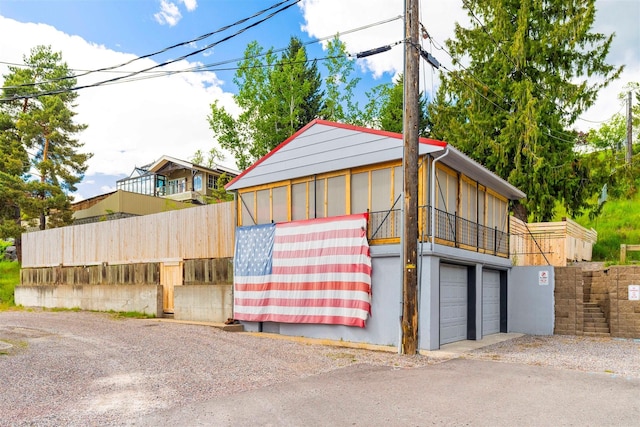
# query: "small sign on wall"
543 278
634 292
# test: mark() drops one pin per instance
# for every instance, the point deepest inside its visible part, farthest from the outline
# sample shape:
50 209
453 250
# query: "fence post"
623 253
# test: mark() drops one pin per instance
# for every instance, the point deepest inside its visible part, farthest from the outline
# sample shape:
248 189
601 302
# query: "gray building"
329 169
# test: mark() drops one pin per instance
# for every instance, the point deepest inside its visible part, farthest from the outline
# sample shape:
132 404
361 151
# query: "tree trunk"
520 212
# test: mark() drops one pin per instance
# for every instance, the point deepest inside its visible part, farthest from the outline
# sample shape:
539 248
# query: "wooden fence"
550 243
198 232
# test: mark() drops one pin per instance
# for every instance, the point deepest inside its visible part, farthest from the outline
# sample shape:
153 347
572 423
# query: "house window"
247 202
336 196
299 201
279 204
197 183
212 181
175 186
360 192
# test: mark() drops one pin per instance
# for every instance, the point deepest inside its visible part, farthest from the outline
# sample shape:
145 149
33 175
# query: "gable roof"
323 146
163 161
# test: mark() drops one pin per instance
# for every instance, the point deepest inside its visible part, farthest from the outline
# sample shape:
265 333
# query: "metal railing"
458 231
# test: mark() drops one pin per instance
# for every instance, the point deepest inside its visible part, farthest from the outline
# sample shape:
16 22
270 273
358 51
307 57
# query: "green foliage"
219 194
339 103
525 84
130 315
9 278
44 124
617 224
391 101
277 97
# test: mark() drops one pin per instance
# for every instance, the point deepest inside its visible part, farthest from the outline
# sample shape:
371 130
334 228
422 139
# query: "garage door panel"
453 303
490 302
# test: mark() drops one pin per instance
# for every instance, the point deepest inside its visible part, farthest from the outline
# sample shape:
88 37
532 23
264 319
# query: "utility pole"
410 125
629 129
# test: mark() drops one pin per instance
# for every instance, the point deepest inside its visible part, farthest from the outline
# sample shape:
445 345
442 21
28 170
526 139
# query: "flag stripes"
312 271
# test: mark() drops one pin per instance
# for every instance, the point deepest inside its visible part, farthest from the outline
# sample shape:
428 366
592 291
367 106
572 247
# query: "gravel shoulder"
82 368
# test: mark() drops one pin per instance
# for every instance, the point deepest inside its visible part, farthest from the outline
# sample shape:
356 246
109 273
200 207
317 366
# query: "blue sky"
131 124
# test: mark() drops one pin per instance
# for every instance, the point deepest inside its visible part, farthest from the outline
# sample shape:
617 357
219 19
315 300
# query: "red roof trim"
395 135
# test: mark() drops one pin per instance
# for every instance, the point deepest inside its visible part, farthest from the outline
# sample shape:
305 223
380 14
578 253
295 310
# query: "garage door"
453 303
490 302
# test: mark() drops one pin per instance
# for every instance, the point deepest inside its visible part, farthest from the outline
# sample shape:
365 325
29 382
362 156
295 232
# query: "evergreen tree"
14 164
277 97
525 84
45 125
392 109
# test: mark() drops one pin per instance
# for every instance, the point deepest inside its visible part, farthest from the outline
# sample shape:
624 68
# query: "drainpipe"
433 199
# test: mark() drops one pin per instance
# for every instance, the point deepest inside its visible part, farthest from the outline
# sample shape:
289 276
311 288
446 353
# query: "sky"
134 123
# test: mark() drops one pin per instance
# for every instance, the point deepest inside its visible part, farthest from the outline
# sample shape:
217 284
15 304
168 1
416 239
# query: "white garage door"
453 303
490 302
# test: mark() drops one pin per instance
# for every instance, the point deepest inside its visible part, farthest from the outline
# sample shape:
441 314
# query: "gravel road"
81 368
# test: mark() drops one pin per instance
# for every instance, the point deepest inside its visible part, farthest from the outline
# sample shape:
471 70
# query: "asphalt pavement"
458 392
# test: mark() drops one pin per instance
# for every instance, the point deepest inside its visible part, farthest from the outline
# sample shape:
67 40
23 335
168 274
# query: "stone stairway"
595 322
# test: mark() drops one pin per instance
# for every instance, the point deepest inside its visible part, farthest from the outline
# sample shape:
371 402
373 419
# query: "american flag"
311 271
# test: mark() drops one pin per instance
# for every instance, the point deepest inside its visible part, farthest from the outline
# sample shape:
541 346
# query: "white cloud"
191 5
326 17
130 124
169 14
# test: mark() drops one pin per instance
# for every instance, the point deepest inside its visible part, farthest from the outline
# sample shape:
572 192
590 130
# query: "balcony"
450 230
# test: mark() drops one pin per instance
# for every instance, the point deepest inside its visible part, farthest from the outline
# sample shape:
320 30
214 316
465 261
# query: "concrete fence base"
203 303
142 298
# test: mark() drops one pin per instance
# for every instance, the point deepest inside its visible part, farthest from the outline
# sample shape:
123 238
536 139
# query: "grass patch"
9 278
617 224
130 315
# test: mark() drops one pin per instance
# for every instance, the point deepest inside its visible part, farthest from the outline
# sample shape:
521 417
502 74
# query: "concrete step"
597 334
596 329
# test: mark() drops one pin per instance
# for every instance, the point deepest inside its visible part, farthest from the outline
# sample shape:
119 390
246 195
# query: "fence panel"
198 232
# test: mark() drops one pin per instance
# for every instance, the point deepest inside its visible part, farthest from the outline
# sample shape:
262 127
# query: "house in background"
175 179
329 170
121 204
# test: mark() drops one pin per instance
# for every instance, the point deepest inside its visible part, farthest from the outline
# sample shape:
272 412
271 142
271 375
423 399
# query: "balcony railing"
449 229
172 188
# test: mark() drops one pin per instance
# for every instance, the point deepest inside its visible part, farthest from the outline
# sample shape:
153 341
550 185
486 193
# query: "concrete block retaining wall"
609 288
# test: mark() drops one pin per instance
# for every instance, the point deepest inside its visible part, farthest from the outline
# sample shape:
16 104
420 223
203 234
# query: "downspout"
433 199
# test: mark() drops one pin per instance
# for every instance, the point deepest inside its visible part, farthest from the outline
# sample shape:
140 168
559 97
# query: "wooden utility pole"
410 124
629 129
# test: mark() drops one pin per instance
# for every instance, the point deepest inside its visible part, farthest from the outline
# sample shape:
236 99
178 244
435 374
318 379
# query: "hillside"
619 223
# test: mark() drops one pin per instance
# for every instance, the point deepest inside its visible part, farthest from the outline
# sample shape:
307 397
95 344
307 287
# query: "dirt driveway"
80 368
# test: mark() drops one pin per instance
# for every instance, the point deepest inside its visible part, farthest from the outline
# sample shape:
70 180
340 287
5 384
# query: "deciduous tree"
277 95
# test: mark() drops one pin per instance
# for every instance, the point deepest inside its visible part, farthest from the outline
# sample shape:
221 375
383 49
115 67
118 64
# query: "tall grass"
9 278
618 223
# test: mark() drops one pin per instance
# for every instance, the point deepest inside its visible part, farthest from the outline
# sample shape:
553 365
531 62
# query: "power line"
203 68
562 135
76 88
197 39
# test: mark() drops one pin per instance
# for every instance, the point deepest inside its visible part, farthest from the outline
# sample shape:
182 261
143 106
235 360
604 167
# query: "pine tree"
524 85
44 122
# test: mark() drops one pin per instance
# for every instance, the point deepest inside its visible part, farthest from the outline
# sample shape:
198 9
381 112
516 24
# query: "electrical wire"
166 49
200 68
209 46
524 73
